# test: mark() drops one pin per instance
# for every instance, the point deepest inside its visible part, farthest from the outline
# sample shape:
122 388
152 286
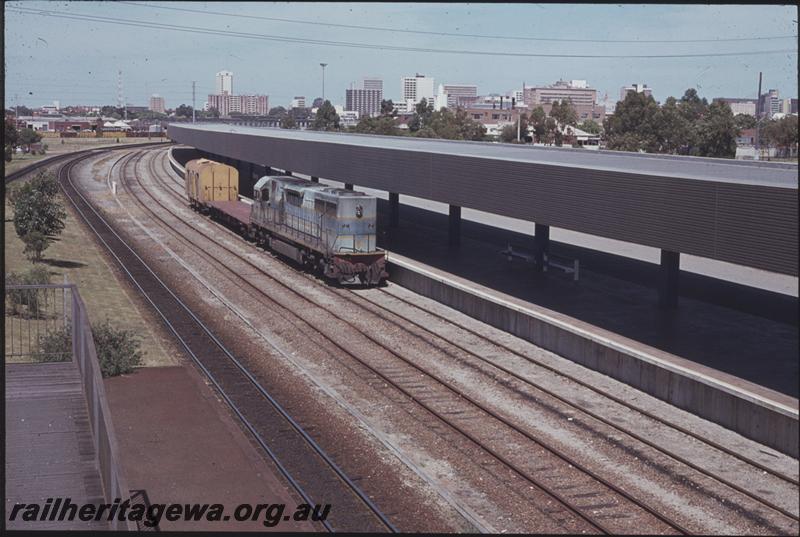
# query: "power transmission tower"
121 96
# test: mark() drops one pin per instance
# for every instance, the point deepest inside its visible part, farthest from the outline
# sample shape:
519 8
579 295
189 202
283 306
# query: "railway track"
361 299
307 468
611 496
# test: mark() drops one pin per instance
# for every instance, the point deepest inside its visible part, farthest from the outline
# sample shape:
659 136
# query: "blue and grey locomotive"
329 229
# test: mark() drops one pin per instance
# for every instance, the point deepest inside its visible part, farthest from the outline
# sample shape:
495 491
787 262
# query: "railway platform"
733 329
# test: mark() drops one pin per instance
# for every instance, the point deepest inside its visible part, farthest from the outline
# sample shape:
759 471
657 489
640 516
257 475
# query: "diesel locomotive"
330 230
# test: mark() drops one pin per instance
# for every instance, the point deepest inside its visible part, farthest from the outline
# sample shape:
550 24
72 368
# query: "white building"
298 102
224 83
413 89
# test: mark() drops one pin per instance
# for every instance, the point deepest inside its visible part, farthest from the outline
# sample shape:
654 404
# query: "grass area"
76 257
59 146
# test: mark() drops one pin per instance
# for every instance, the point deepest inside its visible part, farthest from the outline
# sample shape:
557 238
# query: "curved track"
311 472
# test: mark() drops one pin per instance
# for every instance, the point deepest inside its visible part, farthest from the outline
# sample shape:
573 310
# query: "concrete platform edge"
754 416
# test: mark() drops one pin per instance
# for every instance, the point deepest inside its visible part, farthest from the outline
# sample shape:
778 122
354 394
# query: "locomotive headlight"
359 211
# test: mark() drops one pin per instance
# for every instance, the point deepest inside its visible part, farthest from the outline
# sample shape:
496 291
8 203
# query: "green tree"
538 118
717 132
782 133
508 134
183 110
377 125
671 128
423 112
550 131
564 112
591 126
35 244
745 121
288 122
633 126
23 110
388 108
10 138
28 137
326 119
277 111
37 209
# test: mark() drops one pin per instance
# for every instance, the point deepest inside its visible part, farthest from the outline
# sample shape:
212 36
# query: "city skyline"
285 70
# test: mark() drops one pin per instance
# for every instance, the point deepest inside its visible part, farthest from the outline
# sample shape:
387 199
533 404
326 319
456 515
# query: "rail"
71 316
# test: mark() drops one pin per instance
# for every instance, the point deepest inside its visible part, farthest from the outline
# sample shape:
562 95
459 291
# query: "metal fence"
50 323
38 323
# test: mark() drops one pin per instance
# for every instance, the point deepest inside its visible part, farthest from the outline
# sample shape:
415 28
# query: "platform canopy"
734 211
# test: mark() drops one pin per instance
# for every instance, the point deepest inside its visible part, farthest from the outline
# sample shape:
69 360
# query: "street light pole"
323 65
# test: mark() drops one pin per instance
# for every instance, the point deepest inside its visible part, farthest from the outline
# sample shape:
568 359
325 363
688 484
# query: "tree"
591 126
508 134
35 244
717 132
288 122
27 137
326 119
37 210
317 102
551 131
537 120
183 110
782 133
564 112
423 112
745 121
671 128
277 111
377 125
22 110
10 138
633 125
388 108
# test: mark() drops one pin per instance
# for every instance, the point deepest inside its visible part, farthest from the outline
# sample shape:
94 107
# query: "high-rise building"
298 102
367 102
252 105
372 83
638 88
365 99
455 95
770 104
413 89
224 83
157 104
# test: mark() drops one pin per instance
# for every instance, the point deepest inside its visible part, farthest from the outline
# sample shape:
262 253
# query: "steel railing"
58 313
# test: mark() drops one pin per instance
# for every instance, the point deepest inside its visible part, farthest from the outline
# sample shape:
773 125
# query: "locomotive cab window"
293 198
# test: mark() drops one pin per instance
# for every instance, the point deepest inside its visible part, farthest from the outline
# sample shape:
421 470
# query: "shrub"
117 350
28 302
56 346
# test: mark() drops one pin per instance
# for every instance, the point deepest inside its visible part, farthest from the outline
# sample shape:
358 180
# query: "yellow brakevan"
207 180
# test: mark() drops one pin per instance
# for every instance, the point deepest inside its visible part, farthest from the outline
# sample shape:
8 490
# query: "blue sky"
76 62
